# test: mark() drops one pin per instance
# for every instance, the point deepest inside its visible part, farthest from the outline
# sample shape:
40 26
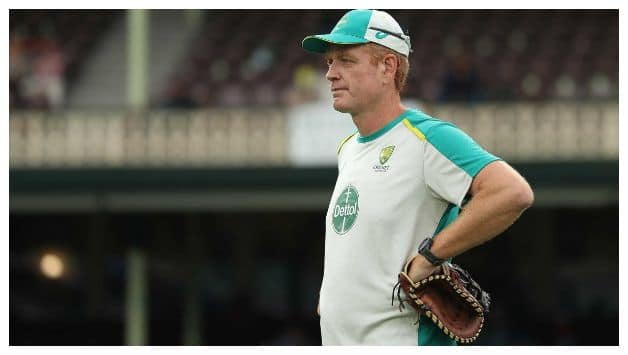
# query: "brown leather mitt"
450 298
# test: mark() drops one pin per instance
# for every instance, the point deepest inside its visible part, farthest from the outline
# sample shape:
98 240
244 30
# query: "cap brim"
320 43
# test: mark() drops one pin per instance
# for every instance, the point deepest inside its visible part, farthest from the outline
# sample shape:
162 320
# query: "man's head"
367 54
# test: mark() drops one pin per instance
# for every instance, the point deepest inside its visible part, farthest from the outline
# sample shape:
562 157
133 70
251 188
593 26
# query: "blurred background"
170 170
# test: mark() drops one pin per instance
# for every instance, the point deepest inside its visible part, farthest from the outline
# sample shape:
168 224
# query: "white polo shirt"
395 187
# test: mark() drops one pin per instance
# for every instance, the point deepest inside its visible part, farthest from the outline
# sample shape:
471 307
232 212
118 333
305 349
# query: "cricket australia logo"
346 210
384 155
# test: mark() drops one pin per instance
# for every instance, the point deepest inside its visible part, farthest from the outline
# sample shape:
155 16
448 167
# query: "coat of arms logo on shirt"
384 155
346 210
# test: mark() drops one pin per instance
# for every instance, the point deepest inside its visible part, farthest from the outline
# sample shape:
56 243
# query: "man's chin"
340 108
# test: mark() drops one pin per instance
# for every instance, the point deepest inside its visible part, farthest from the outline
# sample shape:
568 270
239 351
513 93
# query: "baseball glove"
450 298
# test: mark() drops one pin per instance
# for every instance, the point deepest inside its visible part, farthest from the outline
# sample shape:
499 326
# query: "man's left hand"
420 268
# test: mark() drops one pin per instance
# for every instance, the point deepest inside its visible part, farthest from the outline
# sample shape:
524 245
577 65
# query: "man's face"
356 83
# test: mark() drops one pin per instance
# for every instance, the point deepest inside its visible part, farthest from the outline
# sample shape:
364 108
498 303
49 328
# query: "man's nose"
332 73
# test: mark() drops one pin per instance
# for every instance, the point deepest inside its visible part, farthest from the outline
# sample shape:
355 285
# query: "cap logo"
381 35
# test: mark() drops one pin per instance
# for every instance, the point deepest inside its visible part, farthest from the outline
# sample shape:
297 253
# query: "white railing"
159 138
516 132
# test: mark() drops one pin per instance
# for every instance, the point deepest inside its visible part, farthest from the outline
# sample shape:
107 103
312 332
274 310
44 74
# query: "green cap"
359 27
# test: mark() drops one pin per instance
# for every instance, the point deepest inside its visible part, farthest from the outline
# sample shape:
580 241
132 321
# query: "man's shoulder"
426 125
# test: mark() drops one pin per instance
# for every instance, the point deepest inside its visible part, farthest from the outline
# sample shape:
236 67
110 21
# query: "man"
402 177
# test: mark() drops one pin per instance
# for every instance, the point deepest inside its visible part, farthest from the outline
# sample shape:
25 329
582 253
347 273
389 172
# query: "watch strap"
424 249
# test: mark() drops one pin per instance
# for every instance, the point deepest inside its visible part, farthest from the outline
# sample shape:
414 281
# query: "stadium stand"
46 51
476 55
458 56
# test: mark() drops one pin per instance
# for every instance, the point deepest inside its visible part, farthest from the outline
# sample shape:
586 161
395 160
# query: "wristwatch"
424 249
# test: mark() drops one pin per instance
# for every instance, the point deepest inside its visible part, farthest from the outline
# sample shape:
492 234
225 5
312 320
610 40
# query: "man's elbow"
522 196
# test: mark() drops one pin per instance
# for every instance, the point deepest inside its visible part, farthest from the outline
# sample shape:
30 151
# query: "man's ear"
390 66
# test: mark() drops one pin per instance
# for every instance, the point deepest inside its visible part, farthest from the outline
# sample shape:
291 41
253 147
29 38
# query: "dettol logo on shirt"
346 210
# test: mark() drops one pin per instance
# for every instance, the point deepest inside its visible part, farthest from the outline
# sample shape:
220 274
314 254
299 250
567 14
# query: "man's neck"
377 117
